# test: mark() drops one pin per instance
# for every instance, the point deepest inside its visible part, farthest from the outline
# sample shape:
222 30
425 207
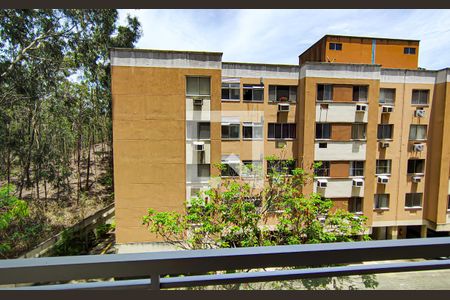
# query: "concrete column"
392 232
423 231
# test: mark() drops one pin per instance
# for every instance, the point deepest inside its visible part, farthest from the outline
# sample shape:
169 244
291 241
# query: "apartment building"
379 124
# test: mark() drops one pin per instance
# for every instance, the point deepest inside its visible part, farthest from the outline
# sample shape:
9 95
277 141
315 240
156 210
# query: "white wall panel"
341 151
339 188
340 112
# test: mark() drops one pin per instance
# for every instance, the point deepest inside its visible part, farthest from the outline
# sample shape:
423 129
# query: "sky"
279 36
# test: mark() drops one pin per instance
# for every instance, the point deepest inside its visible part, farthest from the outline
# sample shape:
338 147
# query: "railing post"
155 282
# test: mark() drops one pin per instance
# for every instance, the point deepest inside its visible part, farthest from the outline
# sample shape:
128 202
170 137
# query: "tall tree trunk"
36 175
91 142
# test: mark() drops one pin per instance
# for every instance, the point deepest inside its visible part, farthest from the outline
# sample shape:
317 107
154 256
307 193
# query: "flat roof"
368 37
164 50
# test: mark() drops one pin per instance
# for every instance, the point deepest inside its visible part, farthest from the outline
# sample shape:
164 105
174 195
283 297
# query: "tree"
238 213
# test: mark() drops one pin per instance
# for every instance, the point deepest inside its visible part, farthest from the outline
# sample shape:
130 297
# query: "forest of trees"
55 99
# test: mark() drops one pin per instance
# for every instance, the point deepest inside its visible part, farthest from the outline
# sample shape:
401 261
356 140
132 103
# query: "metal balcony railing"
153 267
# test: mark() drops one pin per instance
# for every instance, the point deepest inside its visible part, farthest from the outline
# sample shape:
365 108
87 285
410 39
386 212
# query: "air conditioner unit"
418 147
199 146
358 182
383 179
387 109
384 144
198 102
420 113
282 107
361 107
416 179
322 183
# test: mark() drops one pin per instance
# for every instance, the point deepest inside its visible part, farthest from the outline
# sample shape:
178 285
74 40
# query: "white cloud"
279 36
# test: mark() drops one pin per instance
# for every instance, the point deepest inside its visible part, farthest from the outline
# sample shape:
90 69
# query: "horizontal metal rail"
155 265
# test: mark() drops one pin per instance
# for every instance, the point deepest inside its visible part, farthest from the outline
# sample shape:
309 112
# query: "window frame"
327 89
199 88
290 89
252 125
252 87
376 201
357 130
282 131
391 126
416 126
352 206
323 170
357 93
388 166
354 171
329 130
335 46
419 98
415 197
415 160
229 89
229 125
383 100
407 50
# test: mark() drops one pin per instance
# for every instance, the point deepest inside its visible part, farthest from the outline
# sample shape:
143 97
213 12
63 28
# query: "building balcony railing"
151 270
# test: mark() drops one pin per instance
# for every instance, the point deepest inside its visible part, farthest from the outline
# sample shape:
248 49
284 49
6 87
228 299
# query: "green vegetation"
236 214
55 110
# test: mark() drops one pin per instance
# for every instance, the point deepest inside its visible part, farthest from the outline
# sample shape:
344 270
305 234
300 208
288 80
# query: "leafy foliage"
238 213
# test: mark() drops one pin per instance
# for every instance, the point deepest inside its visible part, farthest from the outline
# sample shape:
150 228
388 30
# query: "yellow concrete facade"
150 105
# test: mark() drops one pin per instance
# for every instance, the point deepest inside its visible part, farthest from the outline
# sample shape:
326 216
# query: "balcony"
152 270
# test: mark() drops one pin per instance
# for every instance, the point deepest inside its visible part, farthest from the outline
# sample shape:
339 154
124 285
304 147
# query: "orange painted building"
379 124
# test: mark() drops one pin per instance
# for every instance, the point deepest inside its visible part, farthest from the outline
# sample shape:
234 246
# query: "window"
281 166
254 92
252 130
323 131
358 131
381 201
387 96
282 93
323 170
324 92
335 46
251 168
197 130
409 50
413 200
416 166
230 91
420 97
385 131
360 93
448 203
417 132
203 170
355 205
282 131
229 169
230 131
383 166
197 86
357 168
323 145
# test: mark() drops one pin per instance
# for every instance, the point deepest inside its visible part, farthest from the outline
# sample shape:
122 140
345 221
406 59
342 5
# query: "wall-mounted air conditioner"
198 102
361 107
199 146
283 107
322 183
420 113
358 182
384 144
418 147
387 109
416 179
383 179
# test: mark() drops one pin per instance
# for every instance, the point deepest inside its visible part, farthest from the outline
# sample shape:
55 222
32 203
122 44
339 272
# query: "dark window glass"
230 91
281 166
413 200
385 131
324 92
204 130
355 204
282 131
383 166
323 170
409 50
381 201
416 166
420 97
253 92
323 131
335 46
